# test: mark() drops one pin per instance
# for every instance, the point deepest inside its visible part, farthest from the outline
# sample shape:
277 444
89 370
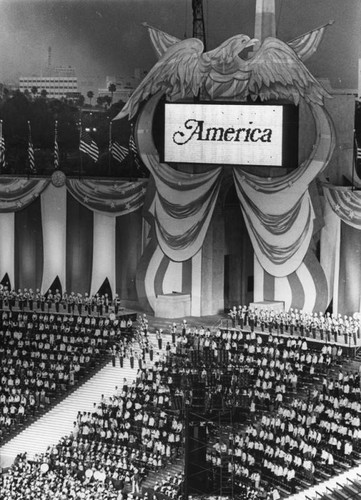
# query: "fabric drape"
7 245
79 253
278 212
349 285
53 216
182 207
113 197
346 203
16 194
28 255
127 253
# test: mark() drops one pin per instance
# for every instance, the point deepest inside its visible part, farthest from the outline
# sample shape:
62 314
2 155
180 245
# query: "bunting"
306 45
161 40
2 146
88 146
31 156
117 151
56 147
134 151
358 150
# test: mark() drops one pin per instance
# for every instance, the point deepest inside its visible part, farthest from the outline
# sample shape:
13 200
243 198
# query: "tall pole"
110 148
265 20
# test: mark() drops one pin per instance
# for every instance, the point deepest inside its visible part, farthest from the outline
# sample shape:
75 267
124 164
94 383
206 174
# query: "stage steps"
58 422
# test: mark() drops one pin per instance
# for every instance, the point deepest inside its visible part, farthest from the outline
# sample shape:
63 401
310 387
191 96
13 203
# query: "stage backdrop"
279 214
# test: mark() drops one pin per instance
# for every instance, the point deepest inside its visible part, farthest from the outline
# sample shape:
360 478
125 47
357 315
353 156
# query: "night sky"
105 37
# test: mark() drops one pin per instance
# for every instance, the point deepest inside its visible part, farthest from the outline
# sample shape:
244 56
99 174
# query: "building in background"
59 82
124 86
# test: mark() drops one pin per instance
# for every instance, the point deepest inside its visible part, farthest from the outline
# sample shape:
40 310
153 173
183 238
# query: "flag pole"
132 159
56 155
81 154
330 23
29 141
29 135
2 145
110 147
354 158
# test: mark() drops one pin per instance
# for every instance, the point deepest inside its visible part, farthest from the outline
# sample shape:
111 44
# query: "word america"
195 129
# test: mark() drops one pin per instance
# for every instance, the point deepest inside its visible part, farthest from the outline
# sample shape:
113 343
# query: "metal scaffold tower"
198 21
208 465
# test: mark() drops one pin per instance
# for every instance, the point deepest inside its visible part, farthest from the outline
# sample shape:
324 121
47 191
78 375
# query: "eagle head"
232 47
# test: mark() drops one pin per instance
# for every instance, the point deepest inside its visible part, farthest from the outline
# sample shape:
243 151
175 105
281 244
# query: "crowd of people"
112 447
57 301
140 428
281 445
327 326
43 355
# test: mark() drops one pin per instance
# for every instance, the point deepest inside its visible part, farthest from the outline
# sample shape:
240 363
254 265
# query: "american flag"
134 150
31 156
2 146
118 152
357 148
56 147
88 146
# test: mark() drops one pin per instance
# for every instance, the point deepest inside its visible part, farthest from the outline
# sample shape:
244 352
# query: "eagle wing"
276 72
180 71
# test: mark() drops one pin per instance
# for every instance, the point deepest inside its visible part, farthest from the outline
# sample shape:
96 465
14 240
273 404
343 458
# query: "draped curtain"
182 206
71 232
16 194
346 205
113 197
278 212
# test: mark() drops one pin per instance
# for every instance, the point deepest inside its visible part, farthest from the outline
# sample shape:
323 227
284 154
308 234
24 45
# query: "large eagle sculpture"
274 71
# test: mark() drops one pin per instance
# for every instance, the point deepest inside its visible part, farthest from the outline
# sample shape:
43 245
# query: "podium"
173 305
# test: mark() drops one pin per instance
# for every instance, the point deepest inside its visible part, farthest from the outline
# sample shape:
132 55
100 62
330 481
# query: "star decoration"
86 199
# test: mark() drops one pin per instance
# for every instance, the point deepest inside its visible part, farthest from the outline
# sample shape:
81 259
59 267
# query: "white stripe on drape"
258 287
53 216
196 296
172 281
308 286
7 246
283 291
149 279
336 280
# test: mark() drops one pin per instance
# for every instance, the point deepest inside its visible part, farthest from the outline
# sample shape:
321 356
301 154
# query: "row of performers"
60 302
296 322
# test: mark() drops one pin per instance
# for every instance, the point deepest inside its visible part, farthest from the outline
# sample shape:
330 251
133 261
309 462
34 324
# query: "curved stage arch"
278 212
